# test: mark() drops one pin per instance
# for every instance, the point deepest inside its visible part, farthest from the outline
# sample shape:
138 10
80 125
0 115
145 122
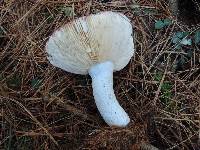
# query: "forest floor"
44 107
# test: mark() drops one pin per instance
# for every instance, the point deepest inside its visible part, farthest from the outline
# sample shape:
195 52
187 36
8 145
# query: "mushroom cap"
78 45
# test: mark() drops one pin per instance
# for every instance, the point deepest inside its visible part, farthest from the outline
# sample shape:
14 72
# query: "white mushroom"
97 44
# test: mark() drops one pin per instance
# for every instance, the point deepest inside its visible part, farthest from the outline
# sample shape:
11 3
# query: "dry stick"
89 7
199 125
173 4
182 142
176 120
145 146
27 13
137 80
72 109
32 133
75 111
64 2
160 85
37 132
159 88
188 88
32 117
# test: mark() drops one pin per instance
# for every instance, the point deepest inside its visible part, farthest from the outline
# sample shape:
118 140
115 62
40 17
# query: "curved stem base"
107 104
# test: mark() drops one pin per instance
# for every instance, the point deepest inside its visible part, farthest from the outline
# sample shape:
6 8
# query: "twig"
31 115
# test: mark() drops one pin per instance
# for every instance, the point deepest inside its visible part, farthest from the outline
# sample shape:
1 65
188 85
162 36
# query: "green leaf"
68 11
150 11
186 33
179 38
179 34
1 31
159 24
167 22
197 37
182 60
136 9
186 41
135 6
139 10
166 93
166 86
178 46
189 53
50 18
175 39
158 76
14 82
1 77
36 83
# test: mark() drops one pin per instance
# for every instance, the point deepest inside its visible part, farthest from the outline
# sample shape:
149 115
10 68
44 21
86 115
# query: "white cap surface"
106 36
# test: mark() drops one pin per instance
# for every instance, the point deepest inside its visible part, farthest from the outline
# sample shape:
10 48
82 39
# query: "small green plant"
1 77
50 18
36 83
139 10
180 39
14 81
166 93
1 31
166 87
197 37
13 142
24 143
159 24
67 11
158 76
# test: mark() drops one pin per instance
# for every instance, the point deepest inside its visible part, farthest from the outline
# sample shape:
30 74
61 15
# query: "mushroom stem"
107 104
